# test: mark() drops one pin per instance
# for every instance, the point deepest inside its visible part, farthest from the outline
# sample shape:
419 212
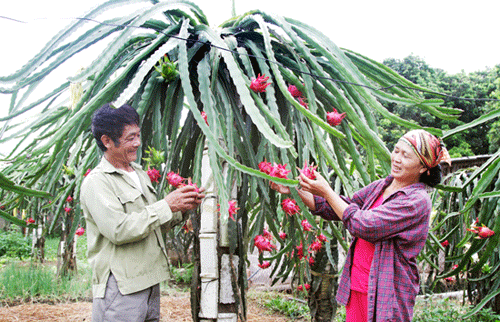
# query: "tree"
477 85
494 131
165 61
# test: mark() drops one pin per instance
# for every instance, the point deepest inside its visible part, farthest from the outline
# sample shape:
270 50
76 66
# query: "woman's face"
405 164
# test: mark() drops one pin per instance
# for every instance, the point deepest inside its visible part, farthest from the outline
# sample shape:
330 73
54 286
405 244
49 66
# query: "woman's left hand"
279 188
319 186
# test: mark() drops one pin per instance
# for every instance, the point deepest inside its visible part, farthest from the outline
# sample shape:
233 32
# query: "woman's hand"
280 188
306 196
319 186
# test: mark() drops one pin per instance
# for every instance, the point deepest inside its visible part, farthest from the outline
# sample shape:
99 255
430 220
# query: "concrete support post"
215 274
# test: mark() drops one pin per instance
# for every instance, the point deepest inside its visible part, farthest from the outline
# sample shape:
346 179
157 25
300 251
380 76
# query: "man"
124 220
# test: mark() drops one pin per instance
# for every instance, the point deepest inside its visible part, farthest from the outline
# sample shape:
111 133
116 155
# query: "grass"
289 307
22 281
51 245
449 310
426 310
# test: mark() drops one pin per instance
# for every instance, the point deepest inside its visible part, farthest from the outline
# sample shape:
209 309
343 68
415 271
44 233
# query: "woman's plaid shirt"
398 228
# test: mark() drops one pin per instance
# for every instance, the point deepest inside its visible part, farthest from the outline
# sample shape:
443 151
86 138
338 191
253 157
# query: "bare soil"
174 307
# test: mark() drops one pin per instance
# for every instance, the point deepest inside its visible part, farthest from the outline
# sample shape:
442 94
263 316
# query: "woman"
389 221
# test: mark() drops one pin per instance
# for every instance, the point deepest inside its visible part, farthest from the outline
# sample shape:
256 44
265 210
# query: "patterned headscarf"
429 149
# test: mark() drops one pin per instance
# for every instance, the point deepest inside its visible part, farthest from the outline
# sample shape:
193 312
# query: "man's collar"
108 167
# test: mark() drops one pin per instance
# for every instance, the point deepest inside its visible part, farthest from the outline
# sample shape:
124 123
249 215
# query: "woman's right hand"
306 196
319 186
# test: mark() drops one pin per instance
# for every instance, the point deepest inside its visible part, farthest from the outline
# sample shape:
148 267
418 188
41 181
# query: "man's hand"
184 198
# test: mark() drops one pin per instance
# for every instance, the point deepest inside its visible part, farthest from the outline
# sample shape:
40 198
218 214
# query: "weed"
292 308
183 274
21 281
52 245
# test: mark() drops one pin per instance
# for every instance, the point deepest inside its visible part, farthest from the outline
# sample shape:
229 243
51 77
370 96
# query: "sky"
453 35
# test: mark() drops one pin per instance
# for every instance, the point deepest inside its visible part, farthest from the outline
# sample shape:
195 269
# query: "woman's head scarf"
429 149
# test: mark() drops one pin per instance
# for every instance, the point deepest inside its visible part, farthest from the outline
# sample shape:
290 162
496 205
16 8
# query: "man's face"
126 151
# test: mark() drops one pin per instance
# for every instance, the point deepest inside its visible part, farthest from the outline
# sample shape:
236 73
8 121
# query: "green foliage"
183 274
19 282
167 69
449 311
494 131
477 85
154 158
462 150
52 245
14 246
494 137
289 307
341 314
461 263
27 281
81 248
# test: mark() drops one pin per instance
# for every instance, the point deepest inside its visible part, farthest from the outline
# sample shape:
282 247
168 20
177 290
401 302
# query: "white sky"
453 35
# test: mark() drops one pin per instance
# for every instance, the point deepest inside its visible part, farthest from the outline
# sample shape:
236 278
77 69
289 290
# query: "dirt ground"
175 307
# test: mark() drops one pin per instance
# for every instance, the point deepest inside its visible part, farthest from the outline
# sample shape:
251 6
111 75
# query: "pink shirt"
362 261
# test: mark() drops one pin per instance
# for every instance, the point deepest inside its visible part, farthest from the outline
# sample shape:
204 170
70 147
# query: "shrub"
183 274
14 245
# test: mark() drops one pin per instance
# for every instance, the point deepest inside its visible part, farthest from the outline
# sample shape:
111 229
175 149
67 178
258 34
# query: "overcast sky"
453 35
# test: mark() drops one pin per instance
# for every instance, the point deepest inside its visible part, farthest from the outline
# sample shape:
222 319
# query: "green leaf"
7 184
12 219
144 69
482 119
242 87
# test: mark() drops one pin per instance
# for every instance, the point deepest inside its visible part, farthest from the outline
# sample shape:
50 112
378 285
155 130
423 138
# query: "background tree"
477 85
494 131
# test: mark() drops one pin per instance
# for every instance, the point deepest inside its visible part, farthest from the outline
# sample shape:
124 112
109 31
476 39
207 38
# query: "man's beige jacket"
124 229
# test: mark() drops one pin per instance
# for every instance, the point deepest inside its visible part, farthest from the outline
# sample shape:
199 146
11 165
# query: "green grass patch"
29 282
183 275
449 310
289 307
426 310
52 244
22 281
277 302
